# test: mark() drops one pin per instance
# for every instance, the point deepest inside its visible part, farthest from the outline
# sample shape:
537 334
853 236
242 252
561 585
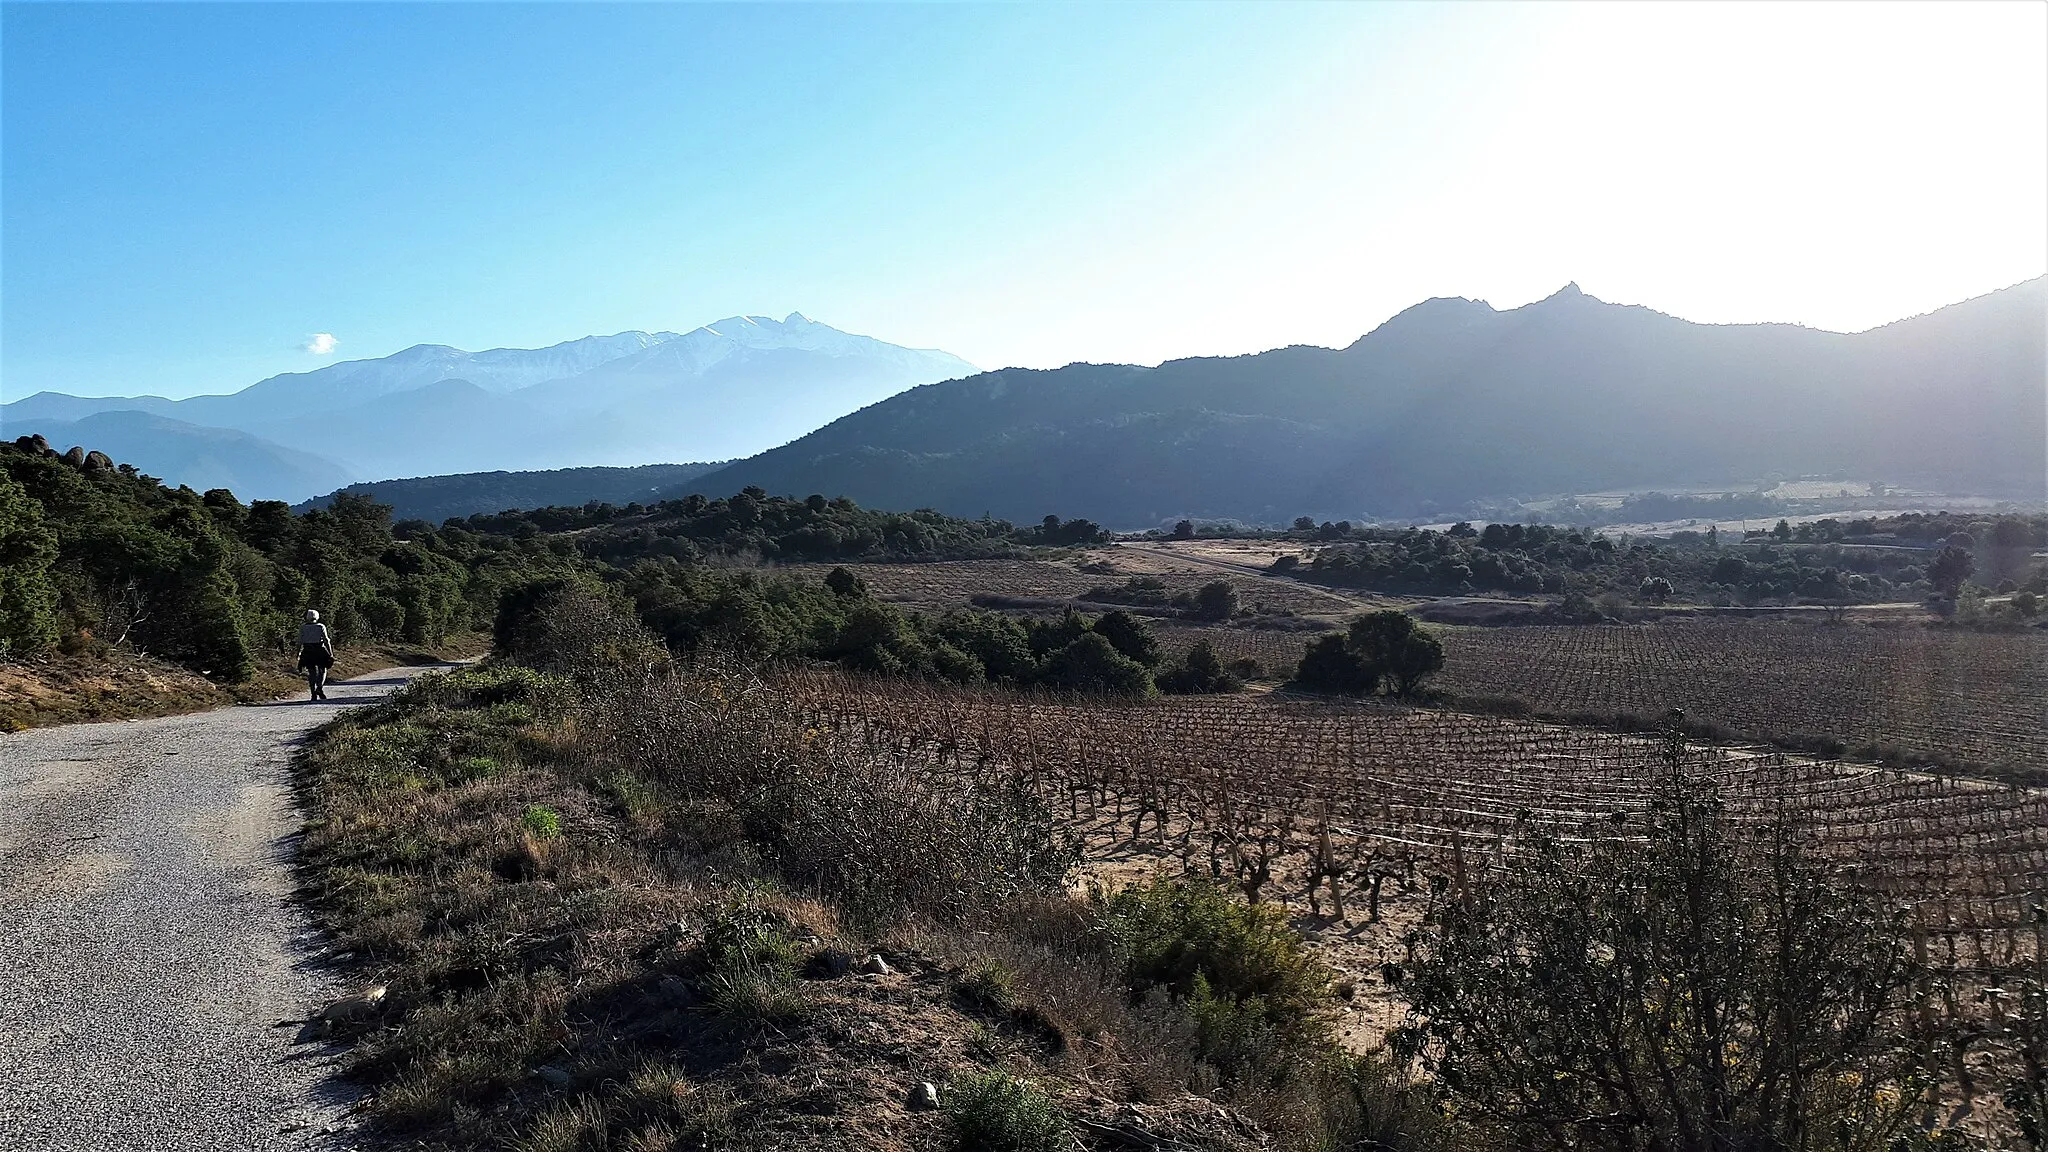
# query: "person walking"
316 654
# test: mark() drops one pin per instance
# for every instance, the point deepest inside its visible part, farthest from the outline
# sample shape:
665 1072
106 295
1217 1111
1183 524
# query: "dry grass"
644 978
38 692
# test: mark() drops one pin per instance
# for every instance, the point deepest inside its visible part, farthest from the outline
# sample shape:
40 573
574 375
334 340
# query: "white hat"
312 615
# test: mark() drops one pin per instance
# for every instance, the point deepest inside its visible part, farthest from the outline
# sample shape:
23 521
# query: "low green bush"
996 1112
1246 976
541 822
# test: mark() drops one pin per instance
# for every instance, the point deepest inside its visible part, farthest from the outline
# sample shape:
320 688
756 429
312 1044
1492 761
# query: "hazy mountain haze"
716 392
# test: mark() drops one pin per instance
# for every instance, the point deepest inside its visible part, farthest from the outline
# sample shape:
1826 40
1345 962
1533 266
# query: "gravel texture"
149 946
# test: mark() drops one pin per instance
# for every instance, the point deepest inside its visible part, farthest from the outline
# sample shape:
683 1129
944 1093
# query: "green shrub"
1199 672
541 822
1246 976
996 1112
1092 664
1329 665
28 600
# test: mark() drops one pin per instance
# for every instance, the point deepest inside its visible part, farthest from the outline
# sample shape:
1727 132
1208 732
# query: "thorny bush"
1697 984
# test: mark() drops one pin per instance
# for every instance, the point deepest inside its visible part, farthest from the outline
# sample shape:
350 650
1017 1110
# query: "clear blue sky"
190 194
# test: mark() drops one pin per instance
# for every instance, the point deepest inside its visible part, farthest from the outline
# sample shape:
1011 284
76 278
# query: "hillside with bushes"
102 558
438 498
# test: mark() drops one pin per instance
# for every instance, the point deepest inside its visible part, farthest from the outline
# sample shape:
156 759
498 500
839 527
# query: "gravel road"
148 942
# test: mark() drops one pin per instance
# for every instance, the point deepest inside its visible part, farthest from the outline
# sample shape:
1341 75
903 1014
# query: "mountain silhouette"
1453 401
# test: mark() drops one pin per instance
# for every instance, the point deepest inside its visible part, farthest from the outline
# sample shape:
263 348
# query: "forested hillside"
96 556
1452 402
438 498
100 556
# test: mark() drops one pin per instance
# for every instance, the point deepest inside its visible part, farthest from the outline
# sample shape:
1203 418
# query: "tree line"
96 556
1827 562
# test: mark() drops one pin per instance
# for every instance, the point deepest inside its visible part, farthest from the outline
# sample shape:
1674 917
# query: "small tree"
1216 600
1386 645
1693 982
28 599
1329 664
1129 636
1952 566
1092 664
845 584
1184 530
1199 672
1656 590
1404 651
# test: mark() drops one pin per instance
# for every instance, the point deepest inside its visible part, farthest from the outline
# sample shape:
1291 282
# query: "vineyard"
1901 693
947 584
1348 813
1277 650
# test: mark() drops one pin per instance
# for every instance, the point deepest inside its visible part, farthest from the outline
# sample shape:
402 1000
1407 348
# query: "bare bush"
861 826
1699 983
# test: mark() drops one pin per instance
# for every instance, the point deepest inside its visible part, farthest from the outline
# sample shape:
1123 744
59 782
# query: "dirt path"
150 942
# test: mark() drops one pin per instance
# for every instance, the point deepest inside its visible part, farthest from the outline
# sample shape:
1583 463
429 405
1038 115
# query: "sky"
195 196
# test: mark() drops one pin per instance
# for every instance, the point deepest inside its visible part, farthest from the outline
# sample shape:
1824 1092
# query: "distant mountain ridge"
191 454
719 391
1453 401
437 498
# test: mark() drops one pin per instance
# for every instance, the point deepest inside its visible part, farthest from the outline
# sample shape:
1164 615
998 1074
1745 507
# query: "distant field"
1910 692
1243 563
955 583
1279 651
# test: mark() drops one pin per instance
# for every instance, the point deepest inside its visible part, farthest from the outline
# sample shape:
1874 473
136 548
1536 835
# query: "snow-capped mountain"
722 390
740 345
